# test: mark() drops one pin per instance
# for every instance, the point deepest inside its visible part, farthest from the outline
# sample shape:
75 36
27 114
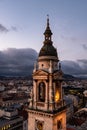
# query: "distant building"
10 120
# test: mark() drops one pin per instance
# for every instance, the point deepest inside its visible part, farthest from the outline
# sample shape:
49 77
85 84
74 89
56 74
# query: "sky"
23 22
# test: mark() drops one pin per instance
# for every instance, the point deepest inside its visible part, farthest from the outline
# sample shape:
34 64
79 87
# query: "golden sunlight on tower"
47 110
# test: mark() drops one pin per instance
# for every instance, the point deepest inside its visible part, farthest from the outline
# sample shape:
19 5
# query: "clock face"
57 96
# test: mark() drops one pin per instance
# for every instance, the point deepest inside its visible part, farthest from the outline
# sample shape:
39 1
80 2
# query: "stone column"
61 92
54 93
51 92
35 93
47 96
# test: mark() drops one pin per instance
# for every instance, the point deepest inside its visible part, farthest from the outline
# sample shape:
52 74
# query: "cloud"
20 62
17 61
14 28
70 67
3 28
77 68
83 64
70 38
84 46
84 61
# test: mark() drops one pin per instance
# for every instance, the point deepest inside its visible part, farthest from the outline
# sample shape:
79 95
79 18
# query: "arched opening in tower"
41 91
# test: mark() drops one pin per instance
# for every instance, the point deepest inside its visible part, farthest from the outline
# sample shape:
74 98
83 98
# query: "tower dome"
48 49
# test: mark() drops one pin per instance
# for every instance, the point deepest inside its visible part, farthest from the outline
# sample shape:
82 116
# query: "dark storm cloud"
70 67
17 61
77 68
21 61
3 28
84 61
84 46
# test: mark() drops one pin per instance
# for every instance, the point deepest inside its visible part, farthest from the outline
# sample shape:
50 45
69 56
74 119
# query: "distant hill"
68 77
71 77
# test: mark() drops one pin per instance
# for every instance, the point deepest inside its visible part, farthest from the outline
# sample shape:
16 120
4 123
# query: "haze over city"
23 22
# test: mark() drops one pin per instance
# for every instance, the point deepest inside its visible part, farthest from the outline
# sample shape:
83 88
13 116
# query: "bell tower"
47 110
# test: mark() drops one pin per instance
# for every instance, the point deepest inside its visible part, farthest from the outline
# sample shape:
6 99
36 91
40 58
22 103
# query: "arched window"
59 125
41 92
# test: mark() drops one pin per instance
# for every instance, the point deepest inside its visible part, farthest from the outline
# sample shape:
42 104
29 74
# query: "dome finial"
47 20
48 32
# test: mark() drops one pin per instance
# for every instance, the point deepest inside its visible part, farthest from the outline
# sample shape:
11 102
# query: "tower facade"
46 110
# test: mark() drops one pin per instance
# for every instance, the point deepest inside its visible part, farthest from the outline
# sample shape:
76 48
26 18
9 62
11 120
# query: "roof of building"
4 121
